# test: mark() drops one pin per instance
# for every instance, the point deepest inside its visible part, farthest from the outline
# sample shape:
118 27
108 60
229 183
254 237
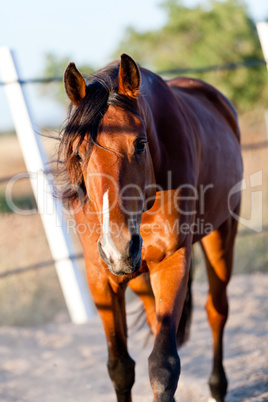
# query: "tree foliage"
212 33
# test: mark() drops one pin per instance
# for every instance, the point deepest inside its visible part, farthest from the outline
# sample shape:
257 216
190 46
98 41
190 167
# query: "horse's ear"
129 77
75 85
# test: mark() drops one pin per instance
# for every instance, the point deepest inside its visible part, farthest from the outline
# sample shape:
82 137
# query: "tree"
212 33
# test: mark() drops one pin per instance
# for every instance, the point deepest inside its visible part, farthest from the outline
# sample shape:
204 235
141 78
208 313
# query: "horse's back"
198 90
211 122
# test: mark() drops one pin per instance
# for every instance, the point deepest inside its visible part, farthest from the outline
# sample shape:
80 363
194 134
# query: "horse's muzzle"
128 262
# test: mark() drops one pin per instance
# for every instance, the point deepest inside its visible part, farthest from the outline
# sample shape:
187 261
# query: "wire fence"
244 147
46 80
219 67
32 267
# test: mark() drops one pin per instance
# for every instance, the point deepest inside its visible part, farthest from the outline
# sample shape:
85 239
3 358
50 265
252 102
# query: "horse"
151 167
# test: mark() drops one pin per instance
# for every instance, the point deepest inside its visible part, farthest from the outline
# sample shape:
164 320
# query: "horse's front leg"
110 303
169 282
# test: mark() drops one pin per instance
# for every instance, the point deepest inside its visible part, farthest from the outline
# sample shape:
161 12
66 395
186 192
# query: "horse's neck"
160 114
152 135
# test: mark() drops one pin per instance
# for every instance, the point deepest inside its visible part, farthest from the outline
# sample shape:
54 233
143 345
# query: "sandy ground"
66 362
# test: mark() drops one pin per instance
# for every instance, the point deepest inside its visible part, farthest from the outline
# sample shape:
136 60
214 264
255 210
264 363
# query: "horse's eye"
140 146
78 156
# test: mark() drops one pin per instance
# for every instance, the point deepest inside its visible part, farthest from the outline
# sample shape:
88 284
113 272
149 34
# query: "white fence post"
74 288
262 28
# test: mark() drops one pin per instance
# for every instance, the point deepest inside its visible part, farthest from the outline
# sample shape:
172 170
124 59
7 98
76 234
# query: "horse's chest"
160 238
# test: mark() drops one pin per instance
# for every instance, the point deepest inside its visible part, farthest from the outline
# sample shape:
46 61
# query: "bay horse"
150 166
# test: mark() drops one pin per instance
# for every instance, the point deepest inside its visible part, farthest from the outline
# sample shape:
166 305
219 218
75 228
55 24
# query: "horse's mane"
84 120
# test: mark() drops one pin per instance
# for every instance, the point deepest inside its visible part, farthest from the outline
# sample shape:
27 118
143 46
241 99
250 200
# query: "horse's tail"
183 332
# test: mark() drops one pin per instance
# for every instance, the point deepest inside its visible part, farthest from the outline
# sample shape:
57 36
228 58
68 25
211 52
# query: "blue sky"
88 31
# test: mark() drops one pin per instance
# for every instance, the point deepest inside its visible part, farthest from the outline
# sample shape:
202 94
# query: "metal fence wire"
219 67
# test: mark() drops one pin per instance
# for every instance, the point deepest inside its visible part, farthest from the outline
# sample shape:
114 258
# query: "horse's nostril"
135 246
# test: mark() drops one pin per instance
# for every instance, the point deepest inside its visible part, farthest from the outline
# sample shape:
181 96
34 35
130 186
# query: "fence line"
218 67
43 264
254 145
244 147
47 263
193 70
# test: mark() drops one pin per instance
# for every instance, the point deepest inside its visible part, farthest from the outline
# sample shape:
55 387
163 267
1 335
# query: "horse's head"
108 145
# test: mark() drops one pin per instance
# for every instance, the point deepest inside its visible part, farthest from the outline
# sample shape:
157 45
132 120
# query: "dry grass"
32 297
35 297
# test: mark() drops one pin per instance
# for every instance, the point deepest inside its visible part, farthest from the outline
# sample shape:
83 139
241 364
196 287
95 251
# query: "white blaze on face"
107 242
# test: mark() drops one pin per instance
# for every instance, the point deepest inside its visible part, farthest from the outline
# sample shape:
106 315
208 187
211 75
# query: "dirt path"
64 362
